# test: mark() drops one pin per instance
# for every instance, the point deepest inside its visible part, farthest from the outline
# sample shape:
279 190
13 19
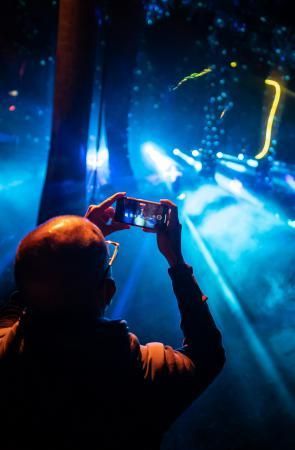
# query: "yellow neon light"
192 76
222 114
271 116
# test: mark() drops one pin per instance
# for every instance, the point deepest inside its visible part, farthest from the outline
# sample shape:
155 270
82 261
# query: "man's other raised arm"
180 376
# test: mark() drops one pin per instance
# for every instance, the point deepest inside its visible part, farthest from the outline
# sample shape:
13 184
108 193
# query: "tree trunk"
64 190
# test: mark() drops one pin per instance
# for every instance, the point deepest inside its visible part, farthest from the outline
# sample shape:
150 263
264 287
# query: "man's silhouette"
71 379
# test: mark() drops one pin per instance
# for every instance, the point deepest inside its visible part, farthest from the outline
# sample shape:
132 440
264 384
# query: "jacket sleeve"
179 376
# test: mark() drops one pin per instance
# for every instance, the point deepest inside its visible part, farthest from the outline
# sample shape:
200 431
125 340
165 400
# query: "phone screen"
141 213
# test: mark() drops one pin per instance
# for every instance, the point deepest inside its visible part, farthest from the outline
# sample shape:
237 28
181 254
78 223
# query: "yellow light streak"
223 112
271 117
192 77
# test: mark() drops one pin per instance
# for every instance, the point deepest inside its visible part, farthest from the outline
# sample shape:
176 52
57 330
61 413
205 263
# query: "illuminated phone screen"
141 213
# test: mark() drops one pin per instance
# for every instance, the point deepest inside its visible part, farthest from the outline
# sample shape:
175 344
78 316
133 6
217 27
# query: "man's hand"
102 215
169 240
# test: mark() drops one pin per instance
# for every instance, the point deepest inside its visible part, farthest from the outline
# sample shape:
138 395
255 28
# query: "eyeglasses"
116 246
113 256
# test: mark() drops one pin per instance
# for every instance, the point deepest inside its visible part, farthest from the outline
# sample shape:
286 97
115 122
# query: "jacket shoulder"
160 361
8 338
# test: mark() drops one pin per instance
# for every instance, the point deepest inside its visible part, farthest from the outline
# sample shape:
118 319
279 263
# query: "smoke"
250 243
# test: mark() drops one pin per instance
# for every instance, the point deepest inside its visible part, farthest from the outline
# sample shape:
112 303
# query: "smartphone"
141 213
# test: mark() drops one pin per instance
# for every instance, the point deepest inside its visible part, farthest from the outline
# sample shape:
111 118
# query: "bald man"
71 379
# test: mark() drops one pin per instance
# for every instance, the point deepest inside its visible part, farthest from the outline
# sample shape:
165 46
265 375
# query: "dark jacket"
68 386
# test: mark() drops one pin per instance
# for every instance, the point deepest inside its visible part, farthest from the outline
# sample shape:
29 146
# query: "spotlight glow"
91 160
290 181
236 186
237 189
99 159
102 156
219 155
252 163
166 167
234 166
13 93
271 117
188 159
240 156
195 152
181 196
198 166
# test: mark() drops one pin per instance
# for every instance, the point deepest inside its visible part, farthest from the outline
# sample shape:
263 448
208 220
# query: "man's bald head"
60 264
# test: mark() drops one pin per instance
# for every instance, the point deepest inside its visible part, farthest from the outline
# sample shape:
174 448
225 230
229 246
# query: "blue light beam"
256 346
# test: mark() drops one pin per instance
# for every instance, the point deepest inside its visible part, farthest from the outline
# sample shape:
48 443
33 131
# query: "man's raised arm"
179 376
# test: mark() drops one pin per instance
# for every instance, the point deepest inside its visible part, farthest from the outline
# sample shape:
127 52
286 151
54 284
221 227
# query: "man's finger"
109 201
148 230
165 201
110 211
173 212
108 214
89 209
